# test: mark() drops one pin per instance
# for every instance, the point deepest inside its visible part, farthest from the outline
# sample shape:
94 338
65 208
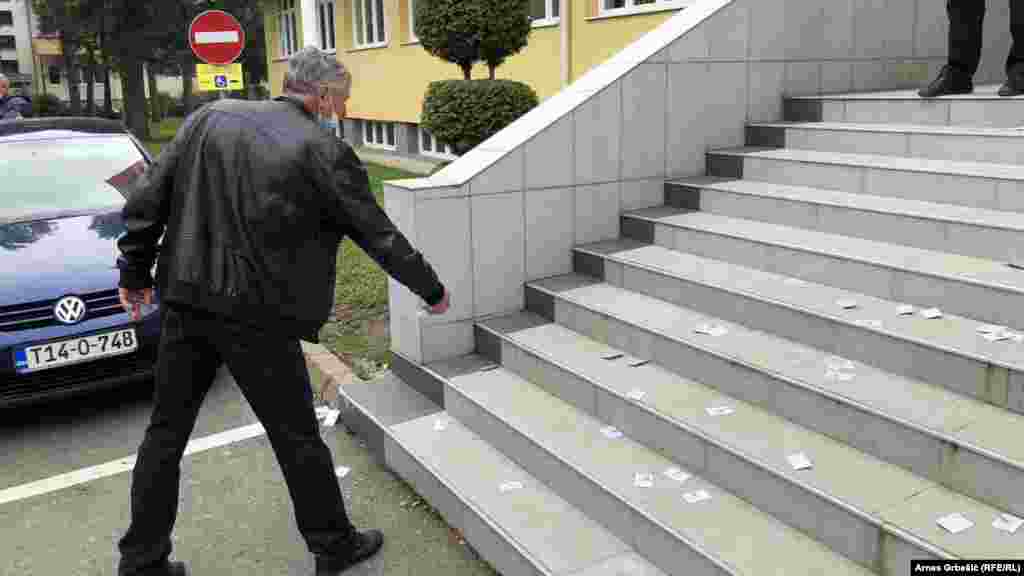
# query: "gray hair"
4 80
311 69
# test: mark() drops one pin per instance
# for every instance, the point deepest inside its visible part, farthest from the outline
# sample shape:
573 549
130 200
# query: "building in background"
391 71
17 24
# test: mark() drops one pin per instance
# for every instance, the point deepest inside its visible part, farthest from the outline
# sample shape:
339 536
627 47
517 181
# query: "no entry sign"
216 37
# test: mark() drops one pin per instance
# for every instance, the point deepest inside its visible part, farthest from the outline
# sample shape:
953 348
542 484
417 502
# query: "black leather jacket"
253 200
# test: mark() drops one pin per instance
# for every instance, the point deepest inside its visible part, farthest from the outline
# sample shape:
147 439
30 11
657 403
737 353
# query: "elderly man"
965 26
253 200
12 107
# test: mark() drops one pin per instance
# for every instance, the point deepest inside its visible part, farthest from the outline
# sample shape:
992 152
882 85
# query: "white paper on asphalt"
696 496
611 432
1007 523
719 410
510 486
799 461
643 480
955 523
342 471
931 313
677 474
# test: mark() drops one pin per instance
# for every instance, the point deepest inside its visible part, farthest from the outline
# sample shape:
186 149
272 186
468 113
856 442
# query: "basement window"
379 134
430 146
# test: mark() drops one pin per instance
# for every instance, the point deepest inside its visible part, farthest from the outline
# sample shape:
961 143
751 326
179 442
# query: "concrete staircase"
774 306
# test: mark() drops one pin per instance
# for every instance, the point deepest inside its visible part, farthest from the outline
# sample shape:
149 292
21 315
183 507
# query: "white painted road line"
220 37
114 467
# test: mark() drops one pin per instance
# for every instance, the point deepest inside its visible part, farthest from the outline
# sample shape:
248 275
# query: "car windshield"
47 175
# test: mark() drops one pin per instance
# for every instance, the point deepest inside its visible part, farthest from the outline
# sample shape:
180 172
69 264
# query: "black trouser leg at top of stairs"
271 372
966 19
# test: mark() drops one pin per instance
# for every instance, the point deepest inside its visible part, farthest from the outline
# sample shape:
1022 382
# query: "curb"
326 372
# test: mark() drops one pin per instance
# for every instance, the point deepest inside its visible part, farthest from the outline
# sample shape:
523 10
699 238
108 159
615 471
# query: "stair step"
976 184
951 228
982 108
566 448
842 501
978 288
959 143
529 531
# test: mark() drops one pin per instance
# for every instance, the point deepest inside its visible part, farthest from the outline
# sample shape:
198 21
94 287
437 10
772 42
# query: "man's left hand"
132 300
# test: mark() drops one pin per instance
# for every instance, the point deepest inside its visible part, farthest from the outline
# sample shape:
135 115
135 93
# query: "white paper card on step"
510 486
342 471
1007 523
847 303
931 313
677 474
905 310
696 496
799 461
955 523
440 424
611 432
719 410
332 418
636 394
612 355
643 480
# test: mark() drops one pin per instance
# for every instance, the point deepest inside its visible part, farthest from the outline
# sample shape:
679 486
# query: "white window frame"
359 5
631 7
549 18
326 36
370 137
445 154
412 22
288 28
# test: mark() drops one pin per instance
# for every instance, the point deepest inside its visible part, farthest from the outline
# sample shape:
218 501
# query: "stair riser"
658 545
929 234
974 191
997 149
842 530
984 303
1002 113
488 541
923 454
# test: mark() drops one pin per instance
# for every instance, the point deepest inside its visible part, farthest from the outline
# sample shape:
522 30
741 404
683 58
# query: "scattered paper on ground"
931 313
799 461
611 432
342 471
677 474
696 496
955 523
509 486
1007 523
643 480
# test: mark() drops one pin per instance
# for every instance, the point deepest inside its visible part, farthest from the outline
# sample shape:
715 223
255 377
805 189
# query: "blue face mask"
329 124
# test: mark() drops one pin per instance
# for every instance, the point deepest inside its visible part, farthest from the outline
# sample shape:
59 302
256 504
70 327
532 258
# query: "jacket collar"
297 103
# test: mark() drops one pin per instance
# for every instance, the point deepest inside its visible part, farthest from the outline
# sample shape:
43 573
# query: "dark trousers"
271 372
965 37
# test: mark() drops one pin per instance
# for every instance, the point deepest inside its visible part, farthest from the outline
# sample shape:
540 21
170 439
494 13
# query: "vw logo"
69 310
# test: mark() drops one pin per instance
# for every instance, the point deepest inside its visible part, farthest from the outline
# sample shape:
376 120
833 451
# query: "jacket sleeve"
145 213
342 176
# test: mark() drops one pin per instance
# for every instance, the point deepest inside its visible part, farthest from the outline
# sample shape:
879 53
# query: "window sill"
331 51
623 12
413 42
368 47
546 23
380 147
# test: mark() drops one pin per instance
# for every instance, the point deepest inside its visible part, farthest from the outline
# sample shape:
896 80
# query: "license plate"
75 350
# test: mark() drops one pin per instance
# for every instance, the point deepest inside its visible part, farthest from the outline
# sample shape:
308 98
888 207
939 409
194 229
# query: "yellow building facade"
391 70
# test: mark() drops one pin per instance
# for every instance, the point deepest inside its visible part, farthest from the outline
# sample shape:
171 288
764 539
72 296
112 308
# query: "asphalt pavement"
64 494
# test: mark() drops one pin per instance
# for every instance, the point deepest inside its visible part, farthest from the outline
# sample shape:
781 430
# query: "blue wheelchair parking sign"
220 81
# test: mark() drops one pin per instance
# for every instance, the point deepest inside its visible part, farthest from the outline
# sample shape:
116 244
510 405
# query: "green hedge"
464 113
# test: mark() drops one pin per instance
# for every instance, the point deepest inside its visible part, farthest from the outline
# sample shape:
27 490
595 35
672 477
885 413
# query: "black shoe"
949 81
366 545
165 569
1011 88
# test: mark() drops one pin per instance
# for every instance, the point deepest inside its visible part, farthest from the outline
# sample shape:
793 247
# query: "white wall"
509 211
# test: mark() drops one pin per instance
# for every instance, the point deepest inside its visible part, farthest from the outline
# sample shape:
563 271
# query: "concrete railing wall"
509 211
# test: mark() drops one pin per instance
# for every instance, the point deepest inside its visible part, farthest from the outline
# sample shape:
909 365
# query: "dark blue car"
62 329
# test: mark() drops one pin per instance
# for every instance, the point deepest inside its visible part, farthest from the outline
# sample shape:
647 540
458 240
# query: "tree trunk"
188 67
134 96
90 88
72 78
491 70
108 98
154 97
466 69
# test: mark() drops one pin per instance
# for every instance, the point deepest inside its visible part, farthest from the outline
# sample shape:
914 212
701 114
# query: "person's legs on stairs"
186 367
964 50
1014 84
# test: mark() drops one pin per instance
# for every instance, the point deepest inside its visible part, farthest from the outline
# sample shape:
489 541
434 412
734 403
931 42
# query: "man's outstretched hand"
442 306
132 300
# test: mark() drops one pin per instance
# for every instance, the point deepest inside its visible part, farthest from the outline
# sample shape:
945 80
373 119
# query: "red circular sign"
216 37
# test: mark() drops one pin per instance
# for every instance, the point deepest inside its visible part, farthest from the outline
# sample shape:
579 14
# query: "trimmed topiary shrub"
464 113
464 32
504 31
